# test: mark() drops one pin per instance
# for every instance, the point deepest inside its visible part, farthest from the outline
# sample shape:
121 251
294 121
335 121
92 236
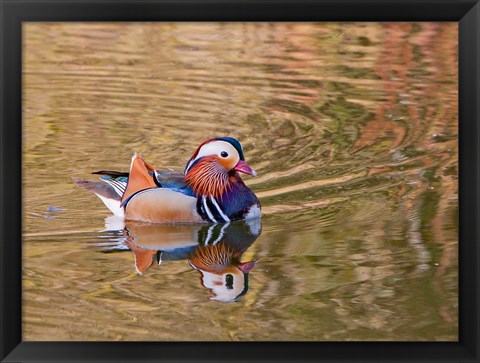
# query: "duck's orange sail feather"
139 177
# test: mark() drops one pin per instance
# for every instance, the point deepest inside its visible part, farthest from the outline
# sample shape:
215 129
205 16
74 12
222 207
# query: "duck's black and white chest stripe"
237 203
209 208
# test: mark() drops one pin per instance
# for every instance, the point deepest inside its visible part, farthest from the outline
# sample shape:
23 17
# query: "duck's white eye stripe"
213 148
224 216
209 213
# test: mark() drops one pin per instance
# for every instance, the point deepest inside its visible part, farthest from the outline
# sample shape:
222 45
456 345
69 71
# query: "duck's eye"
223 154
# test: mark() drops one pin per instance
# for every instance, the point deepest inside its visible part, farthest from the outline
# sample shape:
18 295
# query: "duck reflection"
215 251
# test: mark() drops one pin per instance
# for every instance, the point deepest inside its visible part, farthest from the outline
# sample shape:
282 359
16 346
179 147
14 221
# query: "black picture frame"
14 12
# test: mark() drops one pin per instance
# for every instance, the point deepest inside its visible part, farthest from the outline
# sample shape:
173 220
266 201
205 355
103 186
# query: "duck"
209 190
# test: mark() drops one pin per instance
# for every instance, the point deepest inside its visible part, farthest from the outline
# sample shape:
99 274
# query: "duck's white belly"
161 205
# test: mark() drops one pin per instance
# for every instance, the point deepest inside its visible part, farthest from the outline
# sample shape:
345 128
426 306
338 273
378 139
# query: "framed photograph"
239 181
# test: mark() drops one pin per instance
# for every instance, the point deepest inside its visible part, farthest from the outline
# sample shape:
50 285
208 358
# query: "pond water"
351 127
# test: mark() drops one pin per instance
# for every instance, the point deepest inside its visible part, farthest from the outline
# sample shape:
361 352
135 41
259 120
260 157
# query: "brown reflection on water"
352 128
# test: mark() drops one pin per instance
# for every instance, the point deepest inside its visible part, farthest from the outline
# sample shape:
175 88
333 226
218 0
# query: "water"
352 128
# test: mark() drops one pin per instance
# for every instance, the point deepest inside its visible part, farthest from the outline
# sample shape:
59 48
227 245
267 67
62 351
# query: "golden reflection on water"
352 128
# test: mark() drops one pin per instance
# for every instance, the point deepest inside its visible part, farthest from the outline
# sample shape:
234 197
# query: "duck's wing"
173 180
170 179
143 176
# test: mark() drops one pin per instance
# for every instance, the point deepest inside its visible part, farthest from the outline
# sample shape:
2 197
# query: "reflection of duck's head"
221 271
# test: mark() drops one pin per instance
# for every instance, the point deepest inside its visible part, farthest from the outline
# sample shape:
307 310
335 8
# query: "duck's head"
213 163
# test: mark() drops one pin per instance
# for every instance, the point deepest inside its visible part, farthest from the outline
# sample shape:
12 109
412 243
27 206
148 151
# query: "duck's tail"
109 189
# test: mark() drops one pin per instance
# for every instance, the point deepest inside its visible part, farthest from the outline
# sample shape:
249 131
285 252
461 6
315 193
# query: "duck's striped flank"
117 185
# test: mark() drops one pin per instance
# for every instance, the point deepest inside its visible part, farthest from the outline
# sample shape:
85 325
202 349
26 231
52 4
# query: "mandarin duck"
209 190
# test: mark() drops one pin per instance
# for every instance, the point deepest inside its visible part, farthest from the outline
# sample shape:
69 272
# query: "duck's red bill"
243 167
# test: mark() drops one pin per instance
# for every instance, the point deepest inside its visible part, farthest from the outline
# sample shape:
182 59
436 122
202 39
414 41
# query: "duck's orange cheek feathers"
227 163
